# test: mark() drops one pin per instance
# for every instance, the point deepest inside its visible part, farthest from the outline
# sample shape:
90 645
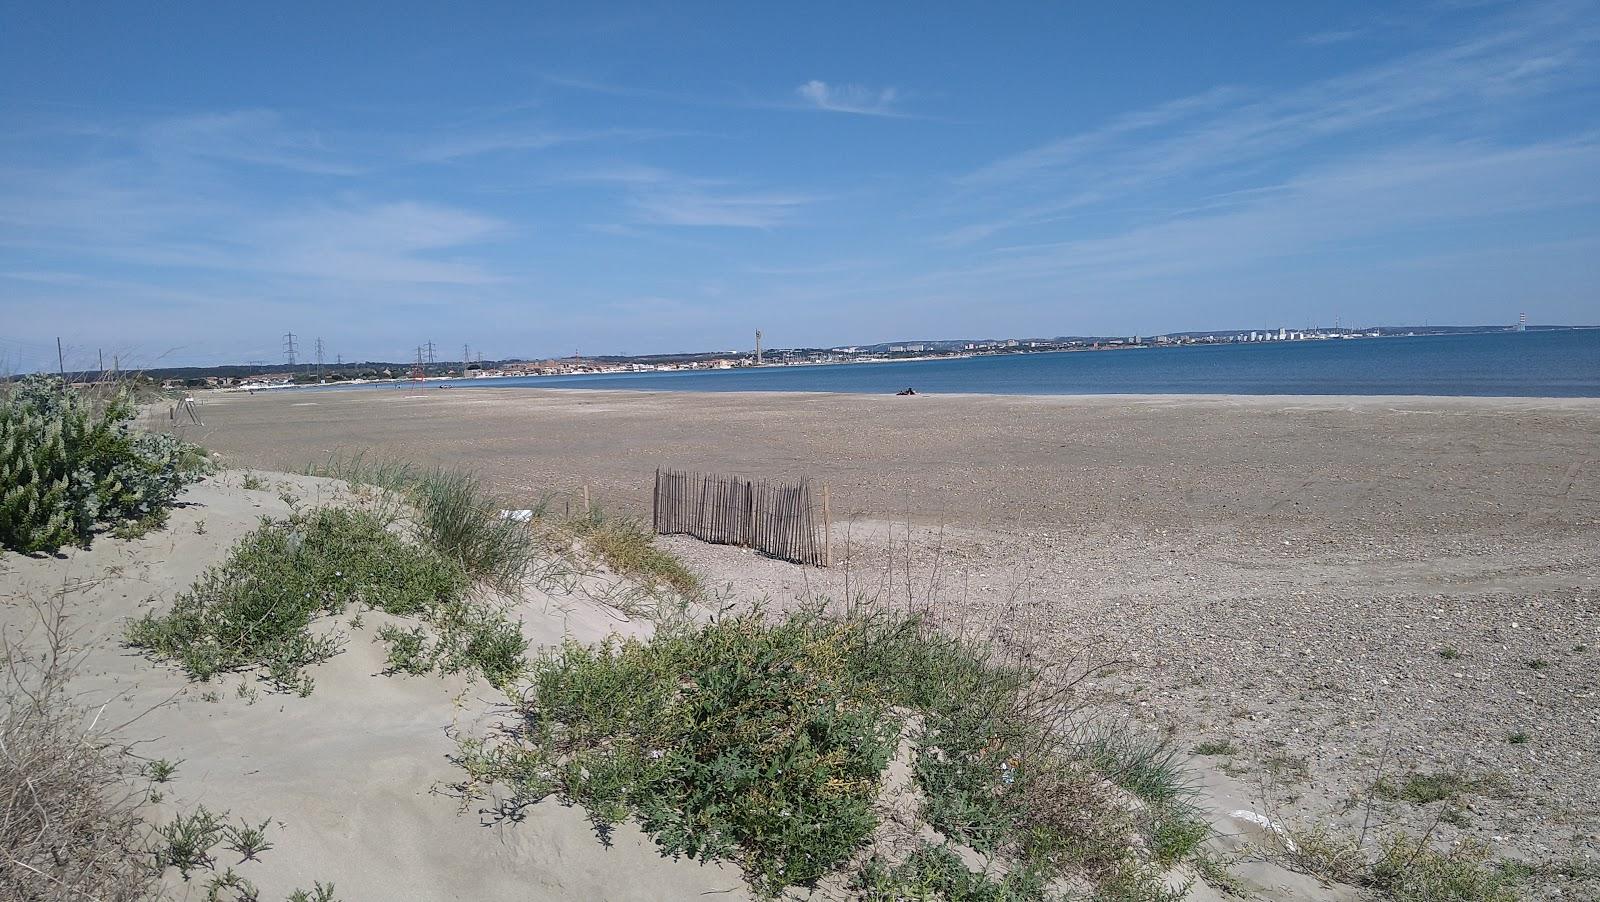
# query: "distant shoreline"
1511 365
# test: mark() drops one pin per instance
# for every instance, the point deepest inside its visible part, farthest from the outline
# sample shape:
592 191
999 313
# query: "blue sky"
184 183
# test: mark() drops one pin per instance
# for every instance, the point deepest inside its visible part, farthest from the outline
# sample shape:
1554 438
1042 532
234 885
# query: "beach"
1339 589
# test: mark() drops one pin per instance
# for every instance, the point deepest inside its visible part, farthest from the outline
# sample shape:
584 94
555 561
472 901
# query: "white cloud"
849 98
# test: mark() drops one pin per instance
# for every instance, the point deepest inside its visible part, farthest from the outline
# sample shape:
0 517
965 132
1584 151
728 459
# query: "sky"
184 183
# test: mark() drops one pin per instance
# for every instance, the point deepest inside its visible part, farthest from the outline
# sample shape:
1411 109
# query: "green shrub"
67 465
766 742
730 740
254 609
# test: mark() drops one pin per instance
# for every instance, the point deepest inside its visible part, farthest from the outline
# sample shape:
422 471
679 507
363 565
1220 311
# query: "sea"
1563 363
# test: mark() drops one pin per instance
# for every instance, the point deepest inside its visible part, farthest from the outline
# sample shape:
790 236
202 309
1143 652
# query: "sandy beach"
1340 588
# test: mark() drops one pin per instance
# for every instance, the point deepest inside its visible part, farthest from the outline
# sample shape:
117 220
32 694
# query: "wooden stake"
586 498
827 530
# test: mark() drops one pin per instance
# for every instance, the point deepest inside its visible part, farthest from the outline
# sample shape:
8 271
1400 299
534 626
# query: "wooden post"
827 530
586 498
655 503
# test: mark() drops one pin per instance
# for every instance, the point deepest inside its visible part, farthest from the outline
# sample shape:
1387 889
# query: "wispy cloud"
857 99
1333 36
257 137
1399 198
729 209
375 243
1217 139
533 138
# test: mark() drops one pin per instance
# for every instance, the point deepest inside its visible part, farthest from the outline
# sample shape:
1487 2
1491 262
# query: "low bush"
254 610
68 465
735 740
766 742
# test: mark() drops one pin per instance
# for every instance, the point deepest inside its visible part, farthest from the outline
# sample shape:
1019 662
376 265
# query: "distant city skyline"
186 186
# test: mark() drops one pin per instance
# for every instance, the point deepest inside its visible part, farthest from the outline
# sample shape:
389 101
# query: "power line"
319 356
289 348
430 353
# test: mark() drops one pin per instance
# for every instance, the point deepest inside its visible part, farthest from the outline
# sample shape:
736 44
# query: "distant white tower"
758 347
1522 323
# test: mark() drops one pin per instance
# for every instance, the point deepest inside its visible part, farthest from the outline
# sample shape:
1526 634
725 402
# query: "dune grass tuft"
457 514
631 550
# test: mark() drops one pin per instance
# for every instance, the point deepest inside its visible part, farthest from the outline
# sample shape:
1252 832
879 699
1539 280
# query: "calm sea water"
1526 364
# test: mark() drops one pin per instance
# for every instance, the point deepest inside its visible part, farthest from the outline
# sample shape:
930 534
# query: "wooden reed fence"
774 518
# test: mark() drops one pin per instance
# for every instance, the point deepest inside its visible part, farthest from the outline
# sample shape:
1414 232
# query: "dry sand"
1281 573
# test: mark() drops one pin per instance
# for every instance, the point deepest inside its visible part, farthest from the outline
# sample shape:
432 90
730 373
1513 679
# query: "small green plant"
1449 653
320 893
1426 788
249 841
1537 664
161 770
1518 738
1214 747
254 483
200 527
462 635
187 841
230 887
128 530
